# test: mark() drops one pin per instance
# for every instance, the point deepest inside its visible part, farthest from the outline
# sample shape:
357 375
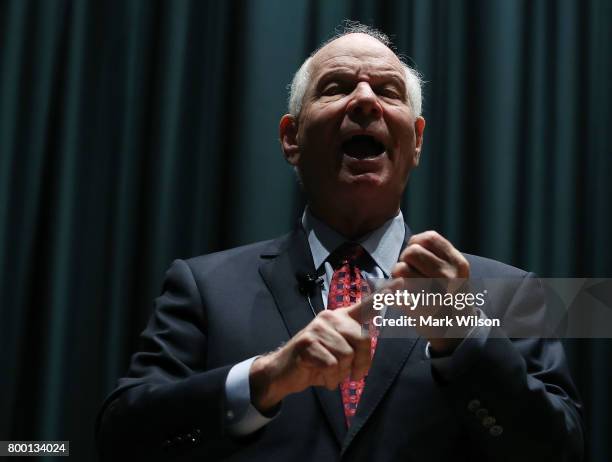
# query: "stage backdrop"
136 132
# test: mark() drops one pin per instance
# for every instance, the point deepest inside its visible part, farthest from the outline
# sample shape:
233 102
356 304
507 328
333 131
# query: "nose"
364 104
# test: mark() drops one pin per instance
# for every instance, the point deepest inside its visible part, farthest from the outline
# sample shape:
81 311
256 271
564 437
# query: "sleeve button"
488 421
230 414
496 430
473 405
482 413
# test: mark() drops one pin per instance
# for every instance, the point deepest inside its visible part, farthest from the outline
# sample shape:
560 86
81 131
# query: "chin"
365 187
364 180
370 184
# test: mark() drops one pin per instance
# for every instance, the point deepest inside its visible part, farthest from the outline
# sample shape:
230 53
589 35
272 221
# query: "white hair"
301 79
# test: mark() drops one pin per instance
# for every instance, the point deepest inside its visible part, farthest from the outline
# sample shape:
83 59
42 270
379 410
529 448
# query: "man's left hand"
429 255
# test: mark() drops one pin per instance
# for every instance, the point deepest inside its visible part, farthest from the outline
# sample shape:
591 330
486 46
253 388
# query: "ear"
287 131
419 128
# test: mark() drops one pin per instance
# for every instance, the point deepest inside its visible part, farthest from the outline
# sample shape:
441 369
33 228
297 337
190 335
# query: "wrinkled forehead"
356 51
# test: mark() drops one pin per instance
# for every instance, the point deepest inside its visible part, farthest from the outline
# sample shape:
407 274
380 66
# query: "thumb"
370 306
359 311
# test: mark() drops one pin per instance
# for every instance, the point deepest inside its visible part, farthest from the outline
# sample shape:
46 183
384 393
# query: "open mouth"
362 147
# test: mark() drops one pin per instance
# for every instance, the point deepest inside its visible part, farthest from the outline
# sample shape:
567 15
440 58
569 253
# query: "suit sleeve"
516 398
166 402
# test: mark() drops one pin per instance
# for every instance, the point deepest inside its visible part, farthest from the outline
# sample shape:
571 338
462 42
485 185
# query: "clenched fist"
324 353
429 255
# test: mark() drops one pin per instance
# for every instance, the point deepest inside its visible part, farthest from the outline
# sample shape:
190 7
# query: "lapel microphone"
307 285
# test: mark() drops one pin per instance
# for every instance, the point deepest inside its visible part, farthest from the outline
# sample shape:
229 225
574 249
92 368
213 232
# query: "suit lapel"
279 274
389 359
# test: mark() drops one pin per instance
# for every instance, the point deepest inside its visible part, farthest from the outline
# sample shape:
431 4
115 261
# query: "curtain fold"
136 132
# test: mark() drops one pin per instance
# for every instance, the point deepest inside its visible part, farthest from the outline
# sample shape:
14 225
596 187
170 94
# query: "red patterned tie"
346 288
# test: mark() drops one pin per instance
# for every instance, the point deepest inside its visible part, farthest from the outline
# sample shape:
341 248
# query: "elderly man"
257 353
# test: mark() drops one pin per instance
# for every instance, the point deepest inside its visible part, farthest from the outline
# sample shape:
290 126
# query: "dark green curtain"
136 132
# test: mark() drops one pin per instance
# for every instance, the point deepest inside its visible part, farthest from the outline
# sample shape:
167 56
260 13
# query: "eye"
333 89
390 92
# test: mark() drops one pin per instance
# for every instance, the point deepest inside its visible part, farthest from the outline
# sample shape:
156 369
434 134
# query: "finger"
352 332
404 270
343 319
324 365
362 312
316 356
355 310
337 345
326 330
426 262
434 242
442 248
324 352
337 342
338 370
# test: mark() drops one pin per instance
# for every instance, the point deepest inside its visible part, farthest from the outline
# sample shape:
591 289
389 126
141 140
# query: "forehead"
359 52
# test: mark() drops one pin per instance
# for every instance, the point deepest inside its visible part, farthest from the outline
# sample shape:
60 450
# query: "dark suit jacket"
220 309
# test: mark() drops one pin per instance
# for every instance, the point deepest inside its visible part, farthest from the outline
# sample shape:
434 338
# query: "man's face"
357 138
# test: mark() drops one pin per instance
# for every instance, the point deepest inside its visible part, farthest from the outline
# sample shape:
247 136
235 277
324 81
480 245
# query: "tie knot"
349 252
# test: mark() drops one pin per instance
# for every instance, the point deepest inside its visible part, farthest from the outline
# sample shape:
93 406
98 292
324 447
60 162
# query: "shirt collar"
383 244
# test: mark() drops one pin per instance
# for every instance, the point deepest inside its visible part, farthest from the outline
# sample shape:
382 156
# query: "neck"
353 224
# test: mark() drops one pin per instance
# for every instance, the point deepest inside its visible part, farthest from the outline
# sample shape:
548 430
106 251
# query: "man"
236 364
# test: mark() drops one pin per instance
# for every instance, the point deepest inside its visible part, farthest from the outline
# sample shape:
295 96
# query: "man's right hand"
324 353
